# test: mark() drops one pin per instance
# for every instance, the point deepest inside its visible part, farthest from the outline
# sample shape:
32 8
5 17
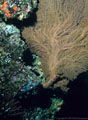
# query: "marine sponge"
60 39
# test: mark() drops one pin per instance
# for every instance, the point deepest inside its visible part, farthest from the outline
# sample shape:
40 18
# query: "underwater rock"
60 39
15 76
11 64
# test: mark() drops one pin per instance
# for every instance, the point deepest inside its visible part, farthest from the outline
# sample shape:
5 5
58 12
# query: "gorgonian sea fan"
60 39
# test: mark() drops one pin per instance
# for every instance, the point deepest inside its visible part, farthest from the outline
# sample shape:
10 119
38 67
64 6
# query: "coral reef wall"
22 96
60 39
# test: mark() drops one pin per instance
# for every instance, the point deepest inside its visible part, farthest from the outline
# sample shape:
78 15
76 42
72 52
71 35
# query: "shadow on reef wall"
76 100
30 102
27 57
30 21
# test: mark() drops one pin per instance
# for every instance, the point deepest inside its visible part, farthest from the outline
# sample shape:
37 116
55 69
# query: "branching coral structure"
60 39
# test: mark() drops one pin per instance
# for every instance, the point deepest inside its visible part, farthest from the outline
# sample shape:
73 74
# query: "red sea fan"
60 39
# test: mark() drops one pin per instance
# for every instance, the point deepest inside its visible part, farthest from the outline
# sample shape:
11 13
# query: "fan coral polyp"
60 39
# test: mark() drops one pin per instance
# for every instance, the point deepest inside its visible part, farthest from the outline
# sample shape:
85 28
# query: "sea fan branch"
60 39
